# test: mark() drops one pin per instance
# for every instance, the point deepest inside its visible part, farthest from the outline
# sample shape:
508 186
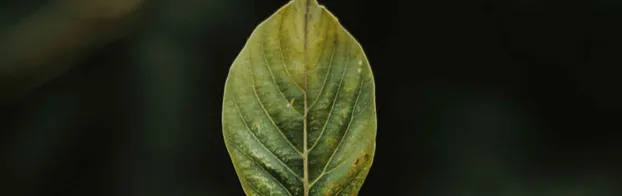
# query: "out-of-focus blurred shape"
101 9
47 42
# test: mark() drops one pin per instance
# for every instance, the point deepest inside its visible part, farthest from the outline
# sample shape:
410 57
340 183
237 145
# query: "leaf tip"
306 3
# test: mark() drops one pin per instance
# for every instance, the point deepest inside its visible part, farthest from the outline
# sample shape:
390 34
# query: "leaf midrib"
305 153
304 89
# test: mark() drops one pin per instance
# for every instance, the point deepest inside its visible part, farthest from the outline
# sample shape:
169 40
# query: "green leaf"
299 114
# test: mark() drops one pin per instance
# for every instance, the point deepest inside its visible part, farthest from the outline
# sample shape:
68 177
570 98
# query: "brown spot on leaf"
362 158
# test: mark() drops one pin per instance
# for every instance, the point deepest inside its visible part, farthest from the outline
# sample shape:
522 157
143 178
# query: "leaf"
299 114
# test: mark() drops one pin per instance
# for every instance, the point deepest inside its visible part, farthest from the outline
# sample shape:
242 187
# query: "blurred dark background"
474 98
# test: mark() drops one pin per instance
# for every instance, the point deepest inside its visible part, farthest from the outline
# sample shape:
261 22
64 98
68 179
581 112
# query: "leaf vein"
266 111
263 51
343 188
283 57
259 141
364 109
330 65
327 172
345 70
263 169
344 133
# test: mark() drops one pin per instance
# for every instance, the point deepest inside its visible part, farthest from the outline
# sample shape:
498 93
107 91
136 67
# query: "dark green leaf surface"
299 114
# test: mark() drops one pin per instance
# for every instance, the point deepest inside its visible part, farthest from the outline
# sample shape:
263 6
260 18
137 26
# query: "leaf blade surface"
299 114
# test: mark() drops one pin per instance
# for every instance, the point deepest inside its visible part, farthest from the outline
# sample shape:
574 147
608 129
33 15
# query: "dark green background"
474 98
